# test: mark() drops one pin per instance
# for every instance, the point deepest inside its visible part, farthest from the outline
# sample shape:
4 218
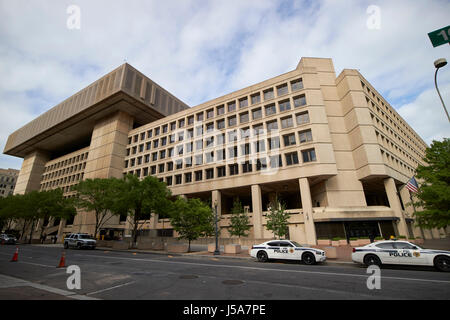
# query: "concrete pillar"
217 199
305 194
394 203
257 212
30 175
62 225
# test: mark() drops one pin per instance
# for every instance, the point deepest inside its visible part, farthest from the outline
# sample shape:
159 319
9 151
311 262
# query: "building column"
394 203
30 175
257 212
305 194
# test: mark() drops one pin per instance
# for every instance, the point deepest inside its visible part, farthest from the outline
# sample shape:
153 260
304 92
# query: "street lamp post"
439 63
217 251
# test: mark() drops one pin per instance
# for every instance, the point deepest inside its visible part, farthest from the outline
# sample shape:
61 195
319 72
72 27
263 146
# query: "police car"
401 252
286 249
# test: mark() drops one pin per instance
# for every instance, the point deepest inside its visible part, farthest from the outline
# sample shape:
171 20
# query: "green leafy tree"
239 224
140 198
434 187
277 219
98 196
192 219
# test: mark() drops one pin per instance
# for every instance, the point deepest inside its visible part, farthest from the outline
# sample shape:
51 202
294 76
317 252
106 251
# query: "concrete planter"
354 243
363 242
147 245
335 243
330 252
233 248
324 242
157 245
343 242
121 245
177 247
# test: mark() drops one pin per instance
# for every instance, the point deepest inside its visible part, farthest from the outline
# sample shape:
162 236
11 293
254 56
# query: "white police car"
286 249
401 252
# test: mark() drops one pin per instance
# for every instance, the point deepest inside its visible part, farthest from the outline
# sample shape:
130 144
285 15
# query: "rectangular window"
209 142
258 129
199 145
289 140
161 168
220 139
274 143
199 130
245 132
148 145
188 162
309 155
243 102
142 135
200 116
256 98
232 136
299 101
282 89
302 118
163 141
164 128
181 123
188 177
198 175
169 166
149 134
268 94
220 110
189 147
190 134
209 113
178 179
162 154
291 158
157 130
209 174
297 84
286 122
179 164
234 169
180 150
169 181
261 164
147 158
173 126
260 146
245 149
180 136
232 121
210 127
270 109
190 120
221 172
209 157
231 106
285 105
246 167
232 152
221 124
257 113
275 161
154 156
155 144
136 138
243 117
198 159
153 169
305 136
272 125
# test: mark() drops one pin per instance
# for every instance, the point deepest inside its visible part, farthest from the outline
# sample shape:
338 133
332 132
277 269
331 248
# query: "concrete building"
8 179
331 148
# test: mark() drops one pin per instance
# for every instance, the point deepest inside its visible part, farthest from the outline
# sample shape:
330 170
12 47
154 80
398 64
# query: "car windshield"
84 236
296 244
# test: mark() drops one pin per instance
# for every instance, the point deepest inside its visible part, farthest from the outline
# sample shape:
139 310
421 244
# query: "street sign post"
440 37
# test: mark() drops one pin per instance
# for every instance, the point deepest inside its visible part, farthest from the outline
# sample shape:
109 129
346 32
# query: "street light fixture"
439 63
217 251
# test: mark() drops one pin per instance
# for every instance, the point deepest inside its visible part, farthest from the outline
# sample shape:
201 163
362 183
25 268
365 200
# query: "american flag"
412 185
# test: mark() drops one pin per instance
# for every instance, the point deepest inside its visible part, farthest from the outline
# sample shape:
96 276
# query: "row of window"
258 129
257 113
67 162
7 179
275 161
65 171
6 186
220 155
62 181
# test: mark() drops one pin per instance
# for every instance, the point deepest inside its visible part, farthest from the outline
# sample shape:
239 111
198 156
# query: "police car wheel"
442 263
308 258
262 256
372 260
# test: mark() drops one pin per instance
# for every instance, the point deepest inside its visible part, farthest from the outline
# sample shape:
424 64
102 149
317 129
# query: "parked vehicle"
80 241
7 238
402 253
287 249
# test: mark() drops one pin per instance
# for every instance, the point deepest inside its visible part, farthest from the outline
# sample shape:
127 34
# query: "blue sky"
199 50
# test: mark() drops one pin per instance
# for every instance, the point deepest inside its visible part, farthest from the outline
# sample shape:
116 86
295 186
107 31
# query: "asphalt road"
123 275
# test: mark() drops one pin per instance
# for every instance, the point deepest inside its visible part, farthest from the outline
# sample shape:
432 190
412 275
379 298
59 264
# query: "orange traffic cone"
62 262
16 255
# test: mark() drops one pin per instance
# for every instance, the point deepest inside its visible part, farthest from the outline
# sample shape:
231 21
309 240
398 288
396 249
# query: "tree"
239 224
192 219
277 219
140 198
99 196
52 204
434 189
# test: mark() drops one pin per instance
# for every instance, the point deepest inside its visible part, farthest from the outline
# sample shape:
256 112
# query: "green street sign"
440 37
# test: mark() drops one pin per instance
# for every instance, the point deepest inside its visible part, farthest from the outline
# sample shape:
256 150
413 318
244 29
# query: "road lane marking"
111 288
20 282
270 269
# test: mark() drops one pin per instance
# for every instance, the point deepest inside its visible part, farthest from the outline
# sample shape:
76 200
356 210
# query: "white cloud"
199 50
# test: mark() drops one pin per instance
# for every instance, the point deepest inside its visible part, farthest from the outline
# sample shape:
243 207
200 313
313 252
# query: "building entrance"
361 229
